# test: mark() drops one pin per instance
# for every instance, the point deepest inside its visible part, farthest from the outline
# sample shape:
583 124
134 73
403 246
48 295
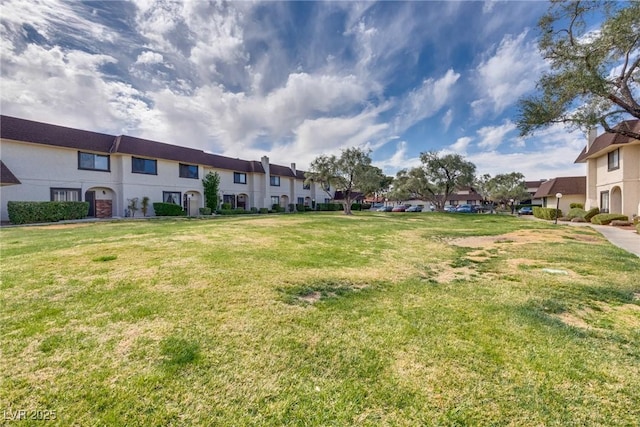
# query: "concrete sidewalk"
628 240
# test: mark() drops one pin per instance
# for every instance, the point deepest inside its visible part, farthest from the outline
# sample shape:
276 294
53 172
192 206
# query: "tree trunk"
347 206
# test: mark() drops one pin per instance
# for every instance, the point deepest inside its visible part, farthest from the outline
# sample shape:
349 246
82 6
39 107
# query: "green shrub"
264 210
591 213
300 208
226 206
205 211
576 212
292 207
546 213
366 206
33 212
168 209
605 219
254 210
576 205
356 206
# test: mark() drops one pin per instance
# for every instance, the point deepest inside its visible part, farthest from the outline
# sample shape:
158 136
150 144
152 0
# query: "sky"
290 80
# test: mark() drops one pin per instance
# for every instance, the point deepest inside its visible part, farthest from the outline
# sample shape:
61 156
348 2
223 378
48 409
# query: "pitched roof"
281 171
6 176
565 185
43 133
59 136
607 139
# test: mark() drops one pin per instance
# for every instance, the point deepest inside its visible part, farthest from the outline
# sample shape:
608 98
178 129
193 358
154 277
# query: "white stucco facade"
49 171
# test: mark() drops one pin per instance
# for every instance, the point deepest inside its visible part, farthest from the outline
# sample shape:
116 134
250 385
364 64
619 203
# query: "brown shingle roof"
6 176
604 141
281 171
60 136
565 185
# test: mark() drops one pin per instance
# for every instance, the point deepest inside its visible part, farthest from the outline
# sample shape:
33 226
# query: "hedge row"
168 209
605 219
33 212
546 213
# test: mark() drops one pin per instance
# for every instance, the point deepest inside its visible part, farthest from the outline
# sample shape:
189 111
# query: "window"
239 178
326 186
604 202
188 171
94 162
301 200
613 159
327 200
174 197
275 181
65 195
306 186
275 200
230 199
148 166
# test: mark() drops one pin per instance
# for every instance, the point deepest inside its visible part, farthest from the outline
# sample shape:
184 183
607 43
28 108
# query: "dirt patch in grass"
60 226
519 237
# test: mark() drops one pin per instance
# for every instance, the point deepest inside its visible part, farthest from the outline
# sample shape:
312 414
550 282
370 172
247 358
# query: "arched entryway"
284 201
192 202
100 202
615 200
243 201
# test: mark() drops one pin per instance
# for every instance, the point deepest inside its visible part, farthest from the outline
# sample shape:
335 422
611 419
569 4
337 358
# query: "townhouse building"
46 162
613 170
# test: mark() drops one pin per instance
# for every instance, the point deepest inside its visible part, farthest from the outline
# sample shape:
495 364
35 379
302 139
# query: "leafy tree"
594 77
508 188
211 185
144 205
350 173
482 185
437 178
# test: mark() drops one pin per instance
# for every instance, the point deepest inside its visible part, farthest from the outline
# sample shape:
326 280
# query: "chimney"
293 168
592 134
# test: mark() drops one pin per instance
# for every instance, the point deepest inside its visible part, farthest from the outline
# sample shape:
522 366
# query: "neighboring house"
465 196
42 162
613 171
572 188
532 189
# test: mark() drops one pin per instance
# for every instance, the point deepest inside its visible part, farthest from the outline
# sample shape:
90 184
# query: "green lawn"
320 319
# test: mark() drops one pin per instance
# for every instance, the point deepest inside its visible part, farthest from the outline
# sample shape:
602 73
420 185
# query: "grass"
320 319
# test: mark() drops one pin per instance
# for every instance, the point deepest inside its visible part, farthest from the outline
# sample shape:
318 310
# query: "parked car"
467 209
450 208
400 208
384 209
377 206
526 210
414 209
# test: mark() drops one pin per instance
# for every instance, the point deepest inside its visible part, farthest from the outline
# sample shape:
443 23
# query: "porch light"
558 197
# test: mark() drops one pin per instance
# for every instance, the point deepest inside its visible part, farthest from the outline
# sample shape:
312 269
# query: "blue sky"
291 80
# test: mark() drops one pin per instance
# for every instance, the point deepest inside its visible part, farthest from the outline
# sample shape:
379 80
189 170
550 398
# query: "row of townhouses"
42 162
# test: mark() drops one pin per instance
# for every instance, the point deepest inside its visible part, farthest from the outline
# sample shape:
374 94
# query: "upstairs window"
188 171
275 181
306 186
93 162
613 159
239 178
146 166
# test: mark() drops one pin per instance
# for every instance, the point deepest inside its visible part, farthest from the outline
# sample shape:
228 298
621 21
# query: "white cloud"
447 119
398 160
461 145
492 136
510 73
148 57
425 101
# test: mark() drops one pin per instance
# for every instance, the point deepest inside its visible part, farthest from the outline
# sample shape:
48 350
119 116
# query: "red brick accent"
103 209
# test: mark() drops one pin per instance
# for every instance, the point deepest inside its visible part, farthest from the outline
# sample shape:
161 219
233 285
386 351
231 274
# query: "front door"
90 196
